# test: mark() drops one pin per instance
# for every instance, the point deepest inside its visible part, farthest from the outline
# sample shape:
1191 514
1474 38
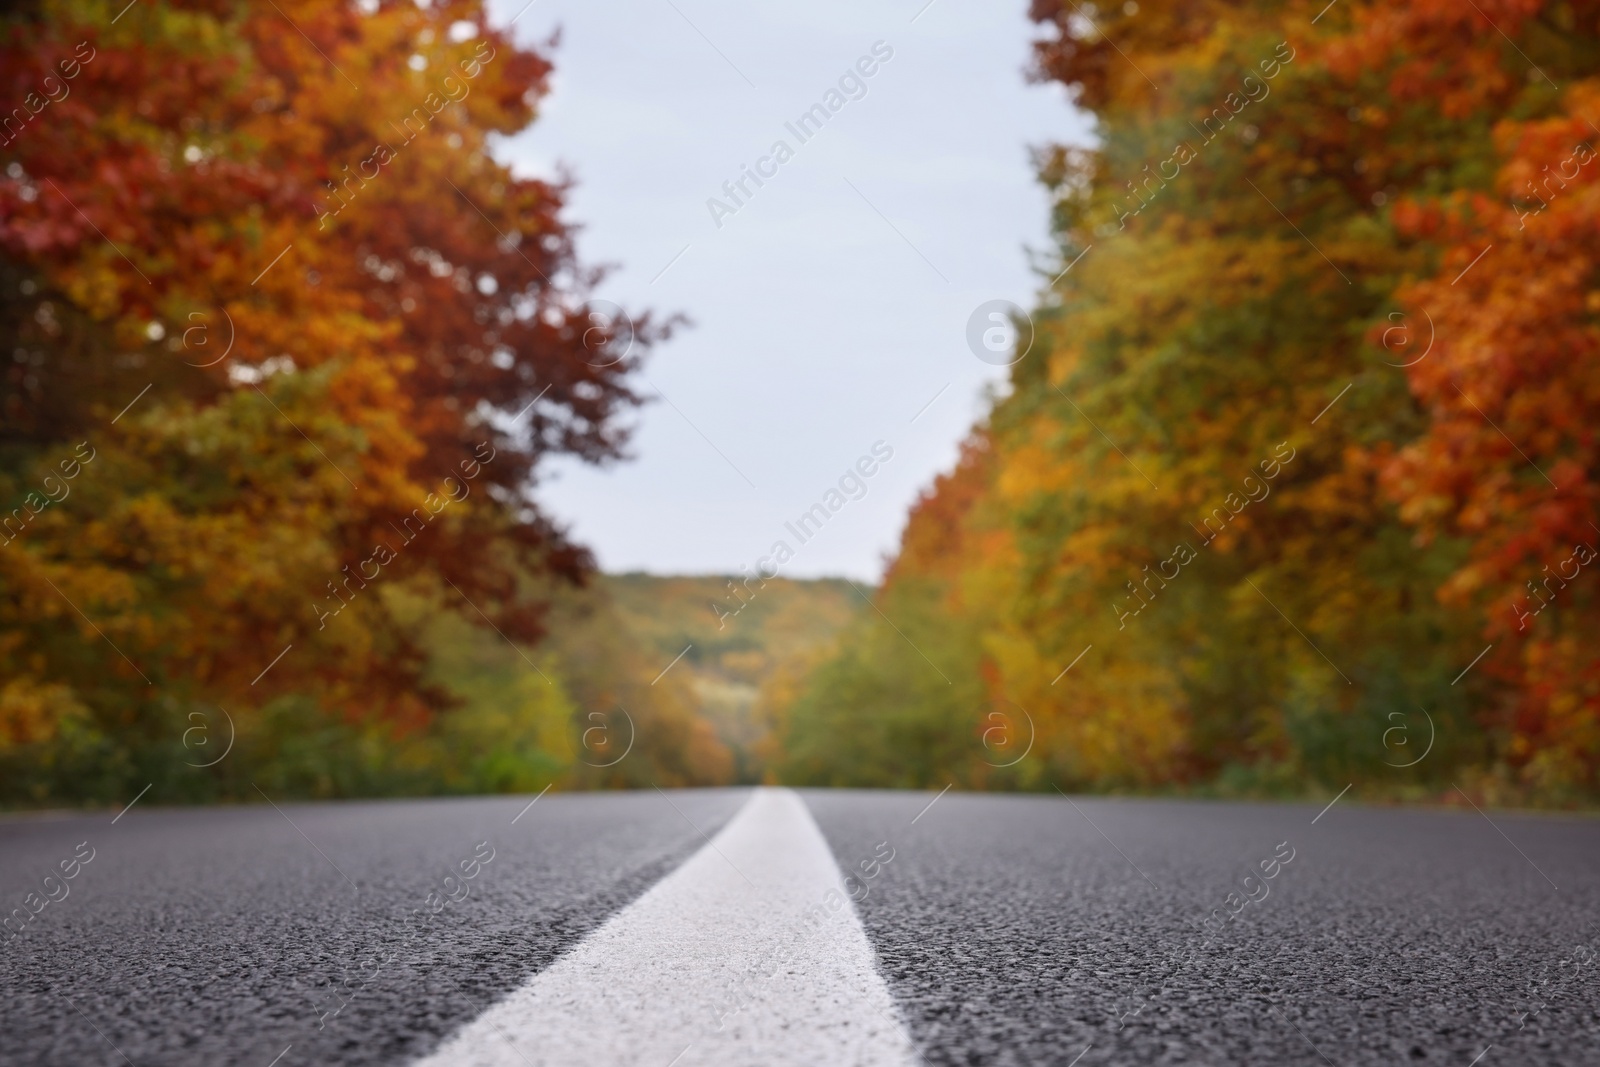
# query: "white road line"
706 968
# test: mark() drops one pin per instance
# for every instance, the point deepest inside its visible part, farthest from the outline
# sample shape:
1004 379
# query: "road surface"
669 929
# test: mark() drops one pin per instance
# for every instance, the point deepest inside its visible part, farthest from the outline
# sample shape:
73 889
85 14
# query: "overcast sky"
830 303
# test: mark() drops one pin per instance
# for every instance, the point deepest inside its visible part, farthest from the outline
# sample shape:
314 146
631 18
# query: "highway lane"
747 954
1004 930
1037 929
225 936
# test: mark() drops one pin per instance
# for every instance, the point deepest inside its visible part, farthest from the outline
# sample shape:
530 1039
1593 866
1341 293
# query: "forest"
1292 487
283 367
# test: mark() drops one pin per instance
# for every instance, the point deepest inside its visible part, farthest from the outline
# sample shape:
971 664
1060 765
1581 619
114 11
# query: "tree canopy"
287 340
1307 426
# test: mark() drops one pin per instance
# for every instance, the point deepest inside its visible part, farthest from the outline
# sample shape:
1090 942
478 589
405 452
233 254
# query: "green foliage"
1220 379
892 710
740 637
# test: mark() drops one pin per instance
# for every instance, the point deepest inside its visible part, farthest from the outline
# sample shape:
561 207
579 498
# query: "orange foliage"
283 219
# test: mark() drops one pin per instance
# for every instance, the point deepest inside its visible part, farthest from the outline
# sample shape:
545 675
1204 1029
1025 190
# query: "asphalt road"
1024 930
225 936
1008 930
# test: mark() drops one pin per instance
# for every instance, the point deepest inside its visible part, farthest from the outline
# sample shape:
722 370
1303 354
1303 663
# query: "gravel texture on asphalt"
1038 929
748 954
1010 929
225 936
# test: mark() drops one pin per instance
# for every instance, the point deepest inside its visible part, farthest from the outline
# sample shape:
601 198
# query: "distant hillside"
738 639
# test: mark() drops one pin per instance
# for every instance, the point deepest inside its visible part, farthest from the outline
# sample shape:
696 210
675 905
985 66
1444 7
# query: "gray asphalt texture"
224 936
1011 929
1037 929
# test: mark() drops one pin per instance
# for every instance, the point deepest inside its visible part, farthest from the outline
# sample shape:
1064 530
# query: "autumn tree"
1286 455
299 340
1508 459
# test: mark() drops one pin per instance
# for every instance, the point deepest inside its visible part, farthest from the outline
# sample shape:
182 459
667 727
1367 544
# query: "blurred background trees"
1294 485
1366 235
308 343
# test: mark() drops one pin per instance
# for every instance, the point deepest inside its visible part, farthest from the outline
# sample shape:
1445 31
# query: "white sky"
818 329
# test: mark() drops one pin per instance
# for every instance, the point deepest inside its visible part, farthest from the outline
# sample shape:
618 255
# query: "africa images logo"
852 85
